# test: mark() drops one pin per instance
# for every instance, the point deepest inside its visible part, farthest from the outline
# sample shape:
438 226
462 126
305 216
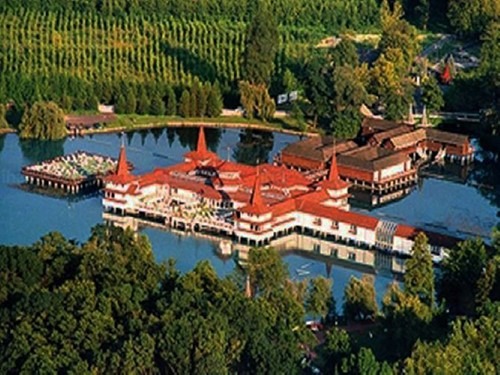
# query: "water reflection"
2 142
254 147
157 133
170 136
36 151
485 176
143 134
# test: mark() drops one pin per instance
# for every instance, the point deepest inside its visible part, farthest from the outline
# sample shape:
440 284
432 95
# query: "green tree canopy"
171 102
470 17
266 270
185 107
432 96
461 272
43 121
214 101
320 299
419 272
261 45
3 119
359 298
472 348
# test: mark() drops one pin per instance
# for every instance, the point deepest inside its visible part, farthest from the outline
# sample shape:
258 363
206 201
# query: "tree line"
105 305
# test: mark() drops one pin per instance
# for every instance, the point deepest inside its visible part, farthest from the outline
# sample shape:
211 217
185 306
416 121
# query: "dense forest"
106 306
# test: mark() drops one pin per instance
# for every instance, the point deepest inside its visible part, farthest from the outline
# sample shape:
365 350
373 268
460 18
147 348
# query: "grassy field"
134 122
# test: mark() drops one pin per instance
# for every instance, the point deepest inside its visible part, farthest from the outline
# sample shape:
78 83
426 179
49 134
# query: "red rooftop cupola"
201 156
446 74
333 181
333 174
201 147
256 205
122 167
256 198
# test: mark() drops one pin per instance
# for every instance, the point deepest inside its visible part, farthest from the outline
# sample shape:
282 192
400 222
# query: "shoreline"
7 131
180 124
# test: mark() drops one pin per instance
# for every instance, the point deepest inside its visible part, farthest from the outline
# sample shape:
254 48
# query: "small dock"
72 174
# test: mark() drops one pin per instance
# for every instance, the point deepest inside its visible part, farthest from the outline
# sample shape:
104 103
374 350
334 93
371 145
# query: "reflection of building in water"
322 249
447 171
256 206
373 199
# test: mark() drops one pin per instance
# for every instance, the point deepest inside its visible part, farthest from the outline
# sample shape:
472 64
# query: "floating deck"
72 173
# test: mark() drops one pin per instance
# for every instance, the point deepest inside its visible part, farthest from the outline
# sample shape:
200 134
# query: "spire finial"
256 198
333 174
122 165
202 144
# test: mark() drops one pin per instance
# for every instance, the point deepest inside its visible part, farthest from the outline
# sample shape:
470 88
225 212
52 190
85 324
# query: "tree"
419 273
130 102
143 102
171 102
349 93
214 101
185 104
398 34
157 106
337 349
405 320
432 96
344 53
261 45
470 17
461 272
203 100
266 270
394 91
359 298
471 348
3 119
196 89
256 101
43 121
320 299
317 89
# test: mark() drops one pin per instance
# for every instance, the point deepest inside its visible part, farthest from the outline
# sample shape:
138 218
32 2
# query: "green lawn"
130 122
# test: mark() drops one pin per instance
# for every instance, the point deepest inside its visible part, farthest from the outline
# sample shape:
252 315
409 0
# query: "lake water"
469 205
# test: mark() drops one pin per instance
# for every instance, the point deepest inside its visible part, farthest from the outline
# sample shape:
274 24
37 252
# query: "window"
316 248
335 225
317 221
435 250
352 256
353 229
334 252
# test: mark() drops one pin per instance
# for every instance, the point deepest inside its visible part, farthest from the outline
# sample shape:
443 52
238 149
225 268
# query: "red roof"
317 209
257 205
201 153
334 182
409 232
284 207
122 174
202 144
446 74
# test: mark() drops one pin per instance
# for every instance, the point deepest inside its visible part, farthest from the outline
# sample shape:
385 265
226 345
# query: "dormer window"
353 229
335 225
317 221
